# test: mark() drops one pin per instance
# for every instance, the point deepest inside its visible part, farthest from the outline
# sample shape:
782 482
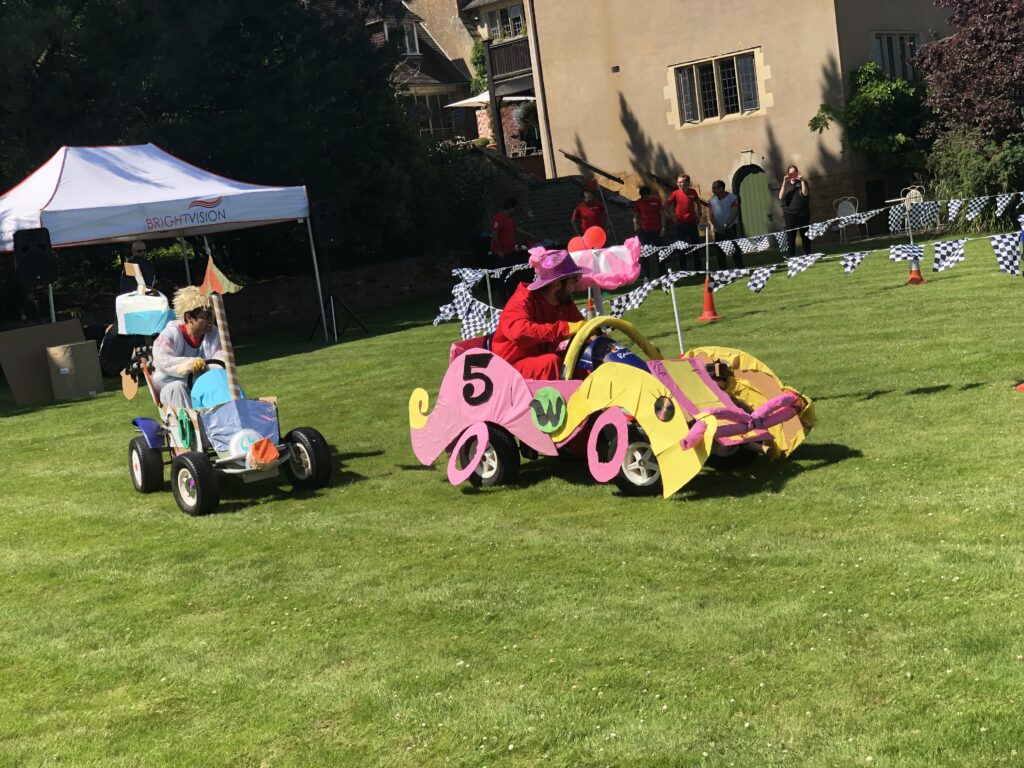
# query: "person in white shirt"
725 211
183 346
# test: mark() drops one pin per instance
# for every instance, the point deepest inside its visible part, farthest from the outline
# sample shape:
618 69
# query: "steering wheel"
572 354
191 374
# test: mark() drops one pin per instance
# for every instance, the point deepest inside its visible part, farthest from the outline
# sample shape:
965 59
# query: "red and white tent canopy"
109 194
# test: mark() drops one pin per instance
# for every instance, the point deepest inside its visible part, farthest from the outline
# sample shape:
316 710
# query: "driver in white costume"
184 345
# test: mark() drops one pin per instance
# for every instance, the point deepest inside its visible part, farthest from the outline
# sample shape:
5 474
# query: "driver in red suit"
539 317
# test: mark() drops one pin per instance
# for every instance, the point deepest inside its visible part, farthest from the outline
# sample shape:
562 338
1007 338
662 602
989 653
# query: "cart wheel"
639 474
500 463
309 466
145 465
194 483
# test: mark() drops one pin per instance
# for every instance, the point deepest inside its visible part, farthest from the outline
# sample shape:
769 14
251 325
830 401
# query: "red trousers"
547 366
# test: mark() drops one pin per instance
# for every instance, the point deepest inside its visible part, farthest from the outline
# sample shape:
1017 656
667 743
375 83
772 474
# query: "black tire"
194 483
639 474
740 457
145 465
309 466
500 463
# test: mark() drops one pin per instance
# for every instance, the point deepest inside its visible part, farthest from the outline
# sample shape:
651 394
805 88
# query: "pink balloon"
577 244
594 237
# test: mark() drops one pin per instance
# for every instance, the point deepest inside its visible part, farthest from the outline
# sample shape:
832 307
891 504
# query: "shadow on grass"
932 390
764 476
760 477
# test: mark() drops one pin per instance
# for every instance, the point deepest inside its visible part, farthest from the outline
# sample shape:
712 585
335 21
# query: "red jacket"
530 326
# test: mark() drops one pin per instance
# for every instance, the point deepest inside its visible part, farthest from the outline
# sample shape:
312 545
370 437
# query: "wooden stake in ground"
215 284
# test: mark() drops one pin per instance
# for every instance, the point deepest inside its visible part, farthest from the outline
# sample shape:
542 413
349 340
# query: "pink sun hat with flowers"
554 266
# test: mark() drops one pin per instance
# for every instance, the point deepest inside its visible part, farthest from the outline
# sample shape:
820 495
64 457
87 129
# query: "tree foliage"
882 119
976 76
282 92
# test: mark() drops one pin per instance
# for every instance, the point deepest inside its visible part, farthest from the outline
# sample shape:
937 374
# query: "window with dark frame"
723 86
506 22
405 33
894 52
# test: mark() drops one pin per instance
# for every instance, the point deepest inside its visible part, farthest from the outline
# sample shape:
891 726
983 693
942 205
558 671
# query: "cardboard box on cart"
75 370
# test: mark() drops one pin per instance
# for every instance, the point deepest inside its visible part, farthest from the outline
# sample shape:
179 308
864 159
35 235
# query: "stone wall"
288 300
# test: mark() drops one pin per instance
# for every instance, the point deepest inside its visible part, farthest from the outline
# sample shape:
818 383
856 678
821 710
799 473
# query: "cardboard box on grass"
75 370
23 357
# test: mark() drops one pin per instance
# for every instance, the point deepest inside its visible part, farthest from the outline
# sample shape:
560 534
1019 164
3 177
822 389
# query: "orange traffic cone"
915 278
710 315
1019 387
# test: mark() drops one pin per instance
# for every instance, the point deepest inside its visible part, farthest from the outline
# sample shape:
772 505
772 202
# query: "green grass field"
858 605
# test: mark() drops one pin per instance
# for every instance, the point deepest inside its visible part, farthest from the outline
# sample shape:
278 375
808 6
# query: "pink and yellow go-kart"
649 426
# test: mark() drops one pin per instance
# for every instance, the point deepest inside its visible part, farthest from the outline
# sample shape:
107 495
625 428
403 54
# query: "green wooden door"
755 201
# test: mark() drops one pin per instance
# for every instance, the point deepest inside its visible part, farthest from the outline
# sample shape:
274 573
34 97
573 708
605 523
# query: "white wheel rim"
136 467
640 466
488 465
302 464
187 487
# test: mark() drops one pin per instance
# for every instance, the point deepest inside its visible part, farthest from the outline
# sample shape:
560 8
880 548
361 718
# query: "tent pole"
316 274
49 293
184 256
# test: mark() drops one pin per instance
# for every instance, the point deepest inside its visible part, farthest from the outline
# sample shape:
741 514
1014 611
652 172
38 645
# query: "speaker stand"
333 302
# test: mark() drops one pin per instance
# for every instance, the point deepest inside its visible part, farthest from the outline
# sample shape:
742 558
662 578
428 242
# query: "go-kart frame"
649 427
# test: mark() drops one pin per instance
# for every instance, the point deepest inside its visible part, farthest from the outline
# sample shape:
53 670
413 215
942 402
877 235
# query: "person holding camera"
795 194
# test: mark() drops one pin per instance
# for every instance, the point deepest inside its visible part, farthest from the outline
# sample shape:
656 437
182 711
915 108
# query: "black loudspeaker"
326 217
33 256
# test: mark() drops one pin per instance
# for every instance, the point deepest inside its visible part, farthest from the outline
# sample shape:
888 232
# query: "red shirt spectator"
589 213
503 229
647 213
685 203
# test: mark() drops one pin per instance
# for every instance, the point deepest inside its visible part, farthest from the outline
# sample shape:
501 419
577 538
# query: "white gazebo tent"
92 195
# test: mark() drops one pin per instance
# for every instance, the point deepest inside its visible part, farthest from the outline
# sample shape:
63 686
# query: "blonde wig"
189 299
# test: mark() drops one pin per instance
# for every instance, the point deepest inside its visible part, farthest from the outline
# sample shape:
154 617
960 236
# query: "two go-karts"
649 426
229 438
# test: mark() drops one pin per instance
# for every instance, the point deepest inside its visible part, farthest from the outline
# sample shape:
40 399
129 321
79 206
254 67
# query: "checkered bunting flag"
479 320
678 246
722 278
646 251
469 276
728 246
445 314
948 254
1007 251
671 278
897 217
819 228
782 240
905 252
800 263
953 208
974 207
760 243
851 261
632 300
511 270
924 214
759 279
1003 202
863 218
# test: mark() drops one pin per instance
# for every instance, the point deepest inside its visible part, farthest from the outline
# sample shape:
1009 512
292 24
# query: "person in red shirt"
683 203
539 316
589 213
503 230
649 223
